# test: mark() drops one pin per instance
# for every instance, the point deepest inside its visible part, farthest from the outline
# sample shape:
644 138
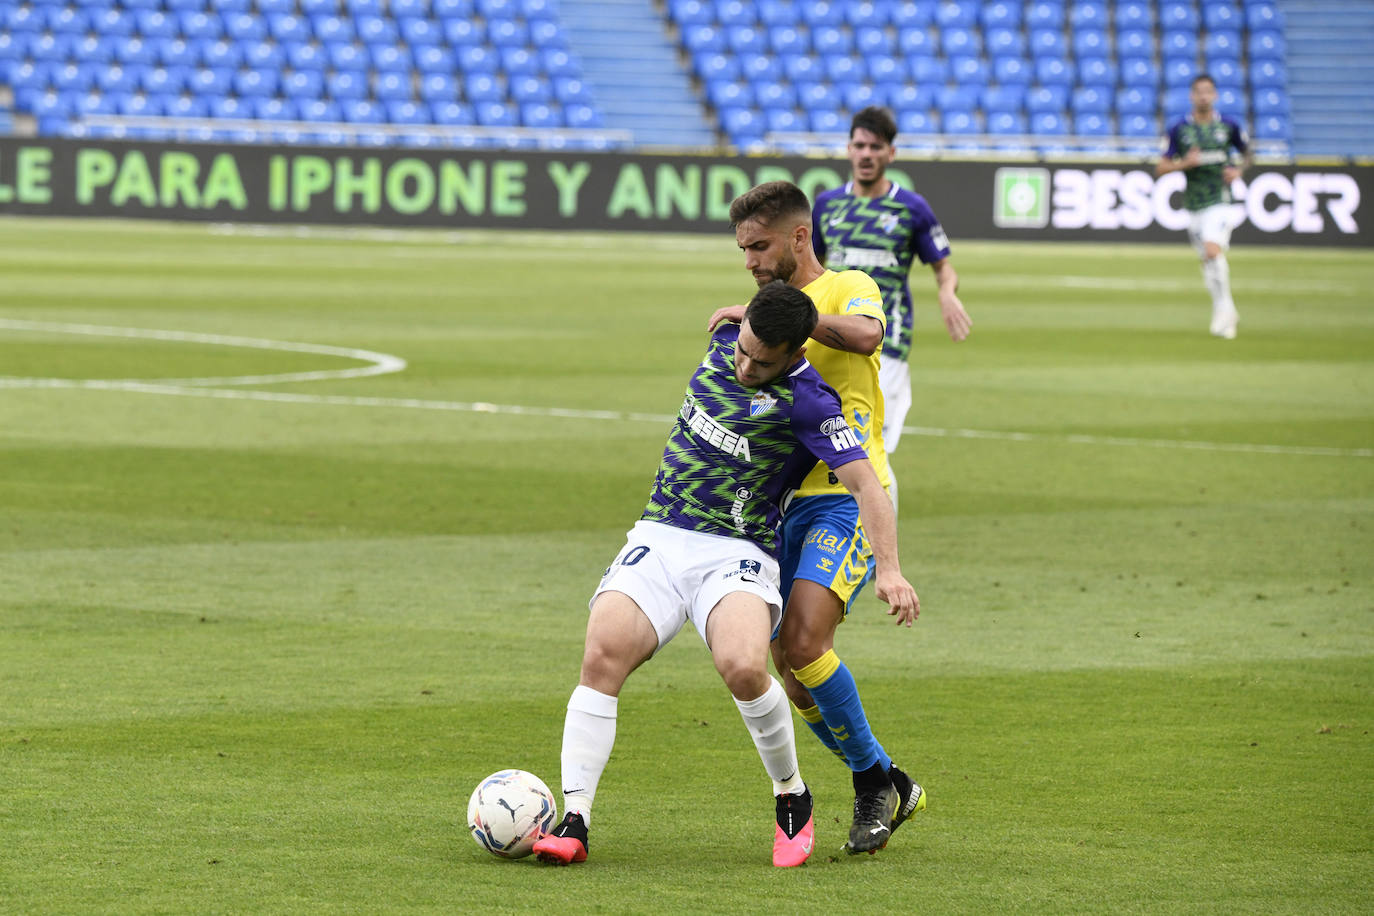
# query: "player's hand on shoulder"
729 313
901 598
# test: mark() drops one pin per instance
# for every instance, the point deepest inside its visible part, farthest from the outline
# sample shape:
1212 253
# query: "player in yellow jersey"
826 554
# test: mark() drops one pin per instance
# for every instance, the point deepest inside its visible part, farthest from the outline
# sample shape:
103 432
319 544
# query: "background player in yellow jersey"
826 556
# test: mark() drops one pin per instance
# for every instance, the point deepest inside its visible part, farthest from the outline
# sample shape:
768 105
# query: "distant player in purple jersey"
1200 146
874 225
755 420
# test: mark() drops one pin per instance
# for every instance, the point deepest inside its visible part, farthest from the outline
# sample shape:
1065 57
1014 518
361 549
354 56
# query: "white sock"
1217 274
769 719
588 736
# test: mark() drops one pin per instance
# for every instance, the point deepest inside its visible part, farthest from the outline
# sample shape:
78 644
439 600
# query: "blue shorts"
823 541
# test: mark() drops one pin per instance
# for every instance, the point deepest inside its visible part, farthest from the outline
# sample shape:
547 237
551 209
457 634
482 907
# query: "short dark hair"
769 202
1203 78
876 120
781 314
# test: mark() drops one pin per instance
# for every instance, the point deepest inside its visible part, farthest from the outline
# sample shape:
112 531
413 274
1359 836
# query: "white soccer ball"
508 811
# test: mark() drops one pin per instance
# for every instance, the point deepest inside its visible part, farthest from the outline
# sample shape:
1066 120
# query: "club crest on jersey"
761 403
888 222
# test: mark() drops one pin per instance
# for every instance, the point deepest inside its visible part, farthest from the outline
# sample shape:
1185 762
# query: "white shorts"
1210 225
894 378
676 575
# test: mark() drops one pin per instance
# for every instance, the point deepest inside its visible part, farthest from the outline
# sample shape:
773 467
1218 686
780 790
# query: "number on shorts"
634 556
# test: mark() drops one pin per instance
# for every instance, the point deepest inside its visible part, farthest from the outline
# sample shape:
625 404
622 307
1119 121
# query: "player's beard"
784 271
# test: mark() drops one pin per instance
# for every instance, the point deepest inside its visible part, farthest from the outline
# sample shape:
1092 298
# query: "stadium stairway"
633 68
1330 70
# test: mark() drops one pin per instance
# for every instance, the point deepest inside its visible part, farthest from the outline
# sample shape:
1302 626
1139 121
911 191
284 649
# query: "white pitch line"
382 363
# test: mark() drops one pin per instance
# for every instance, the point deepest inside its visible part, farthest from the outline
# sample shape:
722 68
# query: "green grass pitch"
258 642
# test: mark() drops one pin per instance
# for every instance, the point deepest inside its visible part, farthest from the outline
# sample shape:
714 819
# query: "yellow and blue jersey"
853 376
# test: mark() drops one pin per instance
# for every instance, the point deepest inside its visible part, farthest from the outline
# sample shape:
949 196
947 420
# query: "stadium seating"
413 63
774 65
1057 68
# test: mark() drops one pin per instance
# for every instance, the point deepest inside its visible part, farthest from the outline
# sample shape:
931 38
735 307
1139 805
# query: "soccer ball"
508 811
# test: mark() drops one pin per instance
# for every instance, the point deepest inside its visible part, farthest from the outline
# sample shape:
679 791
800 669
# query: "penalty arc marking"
382 364
377 363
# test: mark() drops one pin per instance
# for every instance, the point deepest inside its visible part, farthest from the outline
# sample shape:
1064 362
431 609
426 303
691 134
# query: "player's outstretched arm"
880 523
851 333
957 321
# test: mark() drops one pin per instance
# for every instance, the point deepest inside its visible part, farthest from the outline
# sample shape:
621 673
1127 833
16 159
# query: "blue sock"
812 717
837 697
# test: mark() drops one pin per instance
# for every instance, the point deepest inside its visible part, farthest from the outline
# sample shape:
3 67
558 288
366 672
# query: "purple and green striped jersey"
735 453
880 236
1205 186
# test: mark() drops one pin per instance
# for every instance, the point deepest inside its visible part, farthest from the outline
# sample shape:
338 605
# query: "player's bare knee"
745 677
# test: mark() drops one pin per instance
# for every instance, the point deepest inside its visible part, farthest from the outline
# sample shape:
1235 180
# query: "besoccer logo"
1022 199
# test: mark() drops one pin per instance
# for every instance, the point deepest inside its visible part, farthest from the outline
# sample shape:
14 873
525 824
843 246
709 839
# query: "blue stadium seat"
698 37
546 33
955 42
434 59
869 40
417 32
370 8
303 84
1005 42
957 14
518 61
330 29
803 69
864 14
1179 71
1266 45
821 12
1092 124
346 84
1261 14
1179 44
1232 101
343 56
132 51
1136 100
1048 43
541 115
174 52
908 13
772 94
1053 71
1004 123
255 83
288 27
1273 127
209 82
1267 74
155 24
817 97
956 98
198 24
378 30
1003 99
884 69
1097 71
959 122
163 80
1088 14
831 40
779 120
263 55
776 12
438 87
230 107
245 27
1091 43
1271 101
558 62
1090 100
712 66
1180 16
268 7
729 95
1139 71
583 116
94 49
1011 71
742 125
529 89
916 122
1222 46
478 59
1000 14
1134 14
856 96
362 111
743 39
1226 72
1135 43
970 71
1048 124
691 12
735 12
139 106
915 40
389 86
1175 102
1142 124
452 114
108 79
828 122
483 87
785 39
1045 14
1047 98
186 106
408 9
407 112
842 69
275 109
70 77
57 48
911 98
928 70
1218 15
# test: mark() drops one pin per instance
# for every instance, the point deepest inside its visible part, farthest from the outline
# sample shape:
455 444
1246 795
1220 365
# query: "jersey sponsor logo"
742 497
761 403
861 258
712 432
859 302
841 435
825 540
938 237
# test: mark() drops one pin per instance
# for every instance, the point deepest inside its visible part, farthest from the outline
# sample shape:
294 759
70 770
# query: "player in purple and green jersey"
874 225
755 420
1200 146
